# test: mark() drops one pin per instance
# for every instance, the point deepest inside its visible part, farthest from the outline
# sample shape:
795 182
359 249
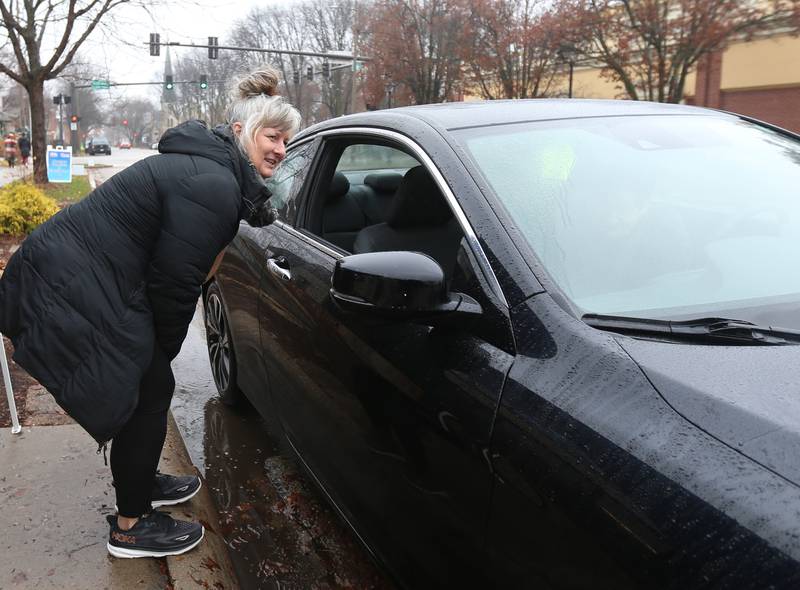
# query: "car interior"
380 199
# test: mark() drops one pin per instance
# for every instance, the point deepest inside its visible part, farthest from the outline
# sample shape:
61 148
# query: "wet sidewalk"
10 174
55 492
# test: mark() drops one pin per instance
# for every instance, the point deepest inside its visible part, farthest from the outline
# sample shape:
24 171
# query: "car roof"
455 115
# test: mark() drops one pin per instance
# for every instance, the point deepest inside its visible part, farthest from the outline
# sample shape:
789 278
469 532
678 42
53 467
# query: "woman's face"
267 150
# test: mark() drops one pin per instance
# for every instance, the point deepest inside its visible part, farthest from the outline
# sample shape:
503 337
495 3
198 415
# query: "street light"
566 52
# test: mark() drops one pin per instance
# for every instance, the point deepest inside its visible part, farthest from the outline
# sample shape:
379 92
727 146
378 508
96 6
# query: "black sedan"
534 344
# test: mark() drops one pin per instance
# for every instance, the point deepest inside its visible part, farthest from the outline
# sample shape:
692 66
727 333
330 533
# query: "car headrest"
418 202
383 183
339 186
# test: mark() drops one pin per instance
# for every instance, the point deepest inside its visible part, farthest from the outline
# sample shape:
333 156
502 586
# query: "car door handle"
276 267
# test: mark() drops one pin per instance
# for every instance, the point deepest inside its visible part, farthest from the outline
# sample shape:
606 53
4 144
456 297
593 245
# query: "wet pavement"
280 531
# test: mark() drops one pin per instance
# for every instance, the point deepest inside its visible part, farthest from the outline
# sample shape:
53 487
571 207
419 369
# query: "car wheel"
220 347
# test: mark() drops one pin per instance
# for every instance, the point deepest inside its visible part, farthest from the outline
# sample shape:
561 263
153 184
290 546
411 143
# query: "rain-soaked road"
280 532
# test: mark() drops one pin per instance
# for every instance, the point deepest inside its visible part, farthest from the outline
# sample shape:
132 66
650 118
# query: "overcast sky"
121 47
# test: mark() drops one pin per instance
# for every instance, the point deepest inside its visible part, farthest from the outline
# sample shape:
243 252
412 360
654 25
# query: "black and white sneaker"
155 534
169 490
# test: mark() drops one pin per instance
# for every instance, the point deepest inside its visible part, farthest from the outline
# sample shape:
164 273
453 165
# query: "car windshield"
100 141
654 216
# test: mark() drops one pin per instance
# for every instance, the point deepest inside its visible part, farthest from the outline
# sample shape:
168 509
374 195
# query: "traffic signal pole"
76 133
335 56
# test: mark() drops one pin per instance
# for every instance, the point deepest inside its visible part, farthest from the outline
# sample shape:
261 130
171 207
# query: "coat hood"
194 138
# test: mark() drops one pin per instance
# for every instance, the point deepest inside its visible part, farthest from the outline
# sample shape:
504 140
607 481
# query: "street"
104 167
279 530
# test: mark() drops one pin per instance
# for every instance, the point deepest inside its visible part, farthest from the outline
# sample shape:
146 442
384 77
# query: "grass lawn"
68 193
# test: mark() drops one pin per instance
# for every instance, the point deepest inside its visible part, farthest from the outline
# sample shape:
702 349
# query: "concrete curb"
207 566
91 178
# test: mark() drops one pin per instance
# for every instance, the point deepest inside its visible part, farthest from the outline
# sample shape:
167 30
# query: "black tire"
220 347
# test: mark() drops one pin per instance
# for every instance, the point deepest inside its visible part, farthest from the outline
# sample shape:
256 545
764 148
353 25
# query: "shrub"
23 207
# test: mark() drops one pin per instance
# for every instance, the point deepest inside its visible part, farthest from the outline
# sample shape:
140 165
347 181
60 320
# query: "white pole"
12 407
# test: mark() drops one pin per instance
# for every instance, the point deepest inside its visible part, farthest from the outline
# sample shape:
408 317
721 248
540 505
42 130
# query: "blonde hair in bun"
255 104
263 81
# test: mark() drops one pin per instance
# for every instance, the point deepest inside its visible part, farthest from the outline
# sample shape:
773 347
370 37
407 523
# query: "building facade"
759 78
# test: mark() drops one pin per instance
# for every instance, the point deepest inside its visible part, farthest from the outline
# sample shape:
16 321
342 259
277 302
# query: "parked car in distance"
98 145
124 144
154 145
534 344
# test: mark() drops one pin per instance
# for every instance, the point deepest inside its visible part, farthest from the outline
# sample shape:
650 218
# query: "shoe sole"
158 503
134 553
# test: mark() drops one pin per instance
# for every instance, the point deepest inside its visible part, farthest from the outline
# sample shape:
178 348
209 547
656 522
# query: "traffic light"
155 44
203 82
310 73
213 50
168 83
125 122
57 99
74 119
296 77
67 99
326 69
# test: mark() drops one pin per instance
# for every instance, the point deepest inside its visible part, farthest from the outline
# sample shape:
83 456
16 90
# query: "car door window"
380 198
287 181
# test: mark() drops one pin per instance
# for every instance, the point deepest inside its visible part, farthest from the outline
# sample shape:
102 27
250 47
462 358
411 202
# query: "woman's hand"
263 216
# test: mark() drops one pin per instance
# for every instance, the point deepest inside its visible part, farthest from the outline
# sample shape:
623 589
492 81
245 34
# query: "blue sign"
59 165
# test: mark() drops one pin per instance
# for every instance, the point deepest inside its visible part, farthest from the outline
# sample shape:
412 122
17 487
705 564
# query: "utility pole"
355 60
60 119
75 133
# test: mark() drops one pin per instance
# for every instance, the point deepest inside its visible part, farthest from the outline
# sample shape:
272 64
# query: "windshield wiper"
712 328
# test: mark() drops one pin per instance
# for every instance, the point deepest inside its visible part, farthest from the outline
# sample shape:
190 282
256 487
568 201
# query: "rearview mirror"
403 285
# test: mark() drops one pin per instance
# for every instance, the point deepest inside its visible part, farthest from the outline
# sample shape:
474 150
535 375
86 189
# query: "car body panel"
610 487
239 278
387 414
746 396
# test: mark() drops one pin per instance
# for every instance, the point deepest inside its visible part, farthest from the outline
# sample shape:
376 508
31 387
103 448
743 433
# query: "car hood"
746 396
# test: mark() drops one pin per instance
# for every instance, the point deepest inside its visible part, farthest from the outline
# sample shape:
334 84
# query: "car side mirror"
400 285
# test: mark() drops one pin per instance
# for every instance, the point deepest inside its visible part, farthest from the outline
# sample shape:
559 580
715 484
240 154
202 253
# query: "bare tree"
141 117
281 28
330 28
514 50
316 26
24 24
650 46
191 101
86 103
418 44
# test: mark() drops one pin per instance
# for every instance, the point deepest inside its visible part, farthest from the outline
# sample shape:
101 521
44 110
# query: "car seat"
342 217
420 220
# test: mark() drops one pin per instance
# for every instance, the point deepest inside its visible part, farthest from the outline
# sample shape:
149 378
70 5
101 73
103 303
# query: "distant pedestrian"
24 146
10 149
98 299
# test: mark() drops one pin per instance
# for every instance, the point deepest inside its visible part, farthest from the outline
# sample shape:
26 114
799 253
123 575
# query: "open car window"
287 182
378 198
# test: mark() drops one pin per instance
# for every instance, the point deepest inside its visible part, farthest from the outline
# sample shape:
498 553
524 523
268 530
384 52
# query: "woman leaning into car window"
98 299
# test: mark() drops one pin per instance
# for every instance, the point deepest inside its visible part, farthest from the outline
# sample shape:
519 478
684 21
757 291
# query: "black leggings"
136 449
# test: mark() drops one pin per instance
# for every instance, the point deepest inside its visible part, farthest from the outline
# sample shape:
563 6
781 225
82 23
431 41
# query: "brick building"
758 77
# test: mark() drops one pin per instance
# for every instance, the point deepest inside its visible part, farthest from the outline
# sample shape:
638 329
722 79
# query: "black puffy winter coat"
93 290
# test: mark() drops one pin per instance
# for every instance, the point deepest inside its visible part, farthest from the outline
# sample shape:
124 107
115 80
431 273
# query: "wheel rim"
219 347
